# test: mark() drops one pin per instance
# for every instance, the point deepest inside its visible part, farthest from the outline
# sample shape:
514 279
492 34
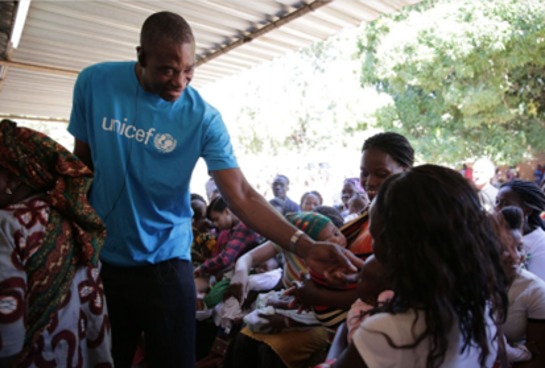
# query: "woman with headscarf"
50 238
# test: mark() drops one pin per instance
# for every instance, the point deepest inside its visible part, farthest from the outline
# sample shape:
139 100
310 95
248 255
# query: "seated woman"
446 276
234 240
524 328
50 238
383 155
531 200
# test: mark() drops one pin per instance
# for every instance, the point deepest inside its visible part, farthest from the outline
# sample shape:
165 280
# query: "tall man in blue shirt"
141 128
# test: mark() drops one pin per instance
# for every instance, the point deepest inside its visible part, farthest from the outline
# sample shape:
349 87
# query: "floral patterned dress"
78 331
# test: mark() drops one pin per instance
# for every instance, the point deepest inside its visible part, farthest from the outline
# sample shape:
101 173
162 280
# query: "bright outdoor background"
460 78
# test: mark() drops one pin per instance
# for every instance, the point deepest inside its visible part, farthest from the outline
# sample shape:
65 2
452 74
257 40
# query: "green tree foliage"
467 77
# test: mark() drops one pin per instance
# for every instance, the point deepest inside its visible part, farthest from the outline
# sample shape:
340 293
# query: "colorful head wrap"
74 232
310 222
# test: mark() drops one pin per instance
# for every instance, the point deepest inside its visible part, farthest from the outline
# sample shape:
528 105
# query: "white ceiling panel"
62 37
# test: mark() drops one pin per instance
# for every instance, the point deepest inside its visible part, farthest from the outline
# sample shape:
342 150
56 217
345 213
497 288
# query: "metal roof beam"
261 31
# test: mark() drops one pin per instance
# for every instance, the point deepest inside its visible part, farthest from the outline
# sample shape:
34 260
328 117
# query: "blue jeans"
158 301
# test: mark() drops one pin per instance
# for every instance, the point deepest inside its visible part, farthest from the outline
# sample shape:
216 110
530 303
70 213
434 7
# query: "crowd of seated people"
443 278
399 231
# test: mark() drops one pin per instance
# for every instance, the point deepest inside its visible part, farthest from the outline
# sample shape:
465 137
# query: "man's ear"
141 54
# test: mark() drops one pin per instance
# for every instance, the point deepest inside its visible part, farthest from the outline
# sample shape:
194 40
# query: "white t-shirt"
534 247
526 301
375 350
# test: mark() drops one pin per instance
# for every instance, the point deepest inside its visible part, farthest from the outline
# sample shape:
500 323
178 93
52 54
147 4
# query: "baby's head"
317 226
269 265
320 228
332 213
198 205
199 220
373 280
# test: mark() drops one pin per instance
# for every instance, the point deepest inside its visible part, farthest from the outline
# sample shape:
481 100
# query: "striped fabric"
357 235
293 268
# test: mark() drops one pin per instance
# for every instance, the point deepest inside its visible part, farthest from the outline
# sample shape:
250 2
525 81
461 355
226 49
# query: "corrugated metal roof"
62 37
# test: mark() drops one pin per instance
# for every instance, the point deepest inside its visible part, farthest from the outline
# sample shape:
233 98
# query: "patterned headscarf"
310 222
74 232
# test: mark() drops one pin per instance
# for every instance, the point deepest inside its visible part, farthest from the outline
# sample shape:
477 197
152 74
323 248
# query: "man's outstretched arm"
255 212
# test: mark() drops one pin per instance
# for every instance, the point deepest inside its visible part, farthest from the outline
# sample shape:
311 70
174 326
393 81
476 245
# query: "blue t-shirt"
144 150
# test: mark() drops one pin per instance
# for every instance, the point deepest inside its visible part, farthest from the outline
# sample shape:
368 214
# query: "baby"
356 204
373 290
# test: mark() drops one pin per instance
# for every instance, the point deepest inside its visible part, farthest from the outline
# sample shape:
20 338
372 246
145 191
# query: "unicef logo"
164 143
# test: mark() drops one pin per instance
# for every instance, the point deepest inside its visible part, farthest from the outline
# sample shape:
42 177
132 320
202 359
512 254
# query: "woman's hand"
304 294
238 287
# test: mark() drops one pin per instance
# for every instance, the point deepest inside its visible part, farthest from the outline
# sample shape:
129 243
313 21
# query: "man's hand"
335 263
